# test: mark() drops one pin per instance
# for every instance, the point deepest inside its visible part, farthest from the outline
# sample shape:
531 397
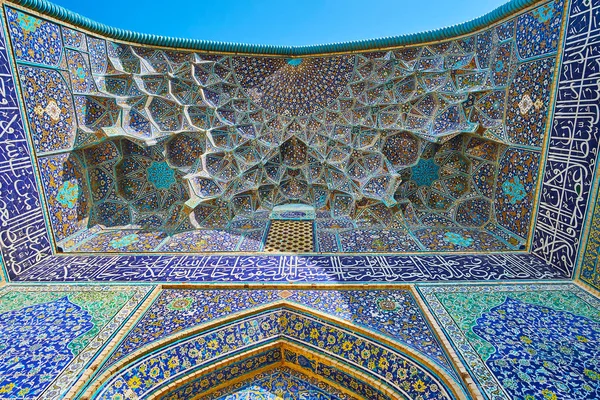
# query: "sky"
282 22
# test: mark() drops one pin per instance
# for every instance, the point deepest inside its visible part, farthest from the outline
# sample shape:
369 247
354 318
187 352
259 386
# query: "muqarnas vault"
423 148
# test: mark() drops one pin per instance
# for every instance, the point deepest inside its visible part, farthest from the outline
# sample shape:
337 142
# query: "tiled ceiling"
425 148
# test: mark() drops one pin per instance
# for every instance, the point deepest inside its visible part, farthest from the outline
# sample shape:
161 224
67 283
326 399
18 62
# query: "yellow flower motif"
173 362
582 339
419 386
549 394
526 340
383 363
331 339
283 320
314 333
7 388
298 326
371 364
347 346
592 374
23 392
365 354
134 382
213 344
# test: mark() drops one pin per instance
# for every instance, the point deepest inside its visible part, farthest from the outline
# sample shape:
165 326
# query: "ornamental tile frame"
394 314
29 229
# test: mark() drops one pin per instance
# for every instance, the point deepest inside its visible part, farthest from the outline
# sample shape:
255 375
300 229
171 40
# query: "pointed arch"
372 355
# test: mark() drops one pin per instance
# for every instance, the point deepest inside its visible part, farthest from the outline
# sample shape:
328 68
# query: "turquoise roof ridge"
52 10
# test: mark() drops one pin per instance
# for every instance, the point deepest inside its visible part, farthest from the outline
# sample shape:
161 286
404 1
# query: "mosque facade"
412 217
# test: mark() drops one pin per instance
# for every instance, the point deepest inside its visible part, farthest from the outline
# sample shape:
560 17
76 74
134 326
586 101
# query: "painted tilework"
380 138
540 341
276 383
538 30
459 239
79 72
49 107
515 193
23 237
361 387
359 241
220 376
282 383
177 310
393 313
365 354
590 271
528 98
116 241
67 194
51 333
260 268
573 142
35 40
198 241
22 333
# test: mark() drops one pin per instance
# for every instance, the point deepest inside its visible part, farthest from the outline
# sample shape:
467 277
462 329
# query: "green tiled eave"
60 13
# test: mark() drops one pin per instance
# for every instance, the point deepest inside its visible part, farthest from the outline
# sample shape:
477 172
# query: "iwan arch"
408 217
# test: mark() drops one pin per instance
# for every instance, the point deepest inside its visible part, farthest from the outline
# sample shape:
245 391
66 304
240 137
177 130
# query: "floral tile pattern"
283 383
533 341
51 333
392 313
276 383
153 371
